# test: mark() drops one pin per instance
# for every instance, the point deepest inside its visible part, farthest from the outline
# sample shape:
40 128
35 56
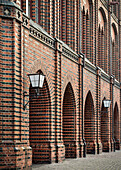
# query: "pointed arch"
89 123
116 126
87 30
69 122
104 128
115 58
39 123
102 40
69 23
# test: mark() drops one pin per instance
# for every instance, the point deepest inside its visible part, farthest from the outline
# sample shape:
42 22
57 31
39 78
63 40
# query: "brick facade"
76 45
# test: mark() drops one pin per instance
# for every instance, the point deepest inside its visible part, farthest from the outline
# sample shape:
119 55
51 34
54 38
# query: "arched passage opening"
39 124
116 126
89 124
104 128
69 111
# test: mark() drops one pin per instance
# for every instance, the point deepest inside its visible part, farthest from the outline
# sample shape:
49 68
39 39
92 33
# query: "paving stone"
104 161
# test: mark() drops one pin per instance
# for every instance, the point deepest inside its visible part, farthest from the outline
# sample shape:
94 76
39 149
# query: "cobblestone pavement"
104 161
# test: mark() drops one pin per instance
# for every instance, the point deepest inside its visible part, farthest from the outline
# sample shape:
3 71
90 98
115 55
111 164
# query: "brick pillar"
109 41
56 18
98 110
81 115
15 150
60 149
95 32
111 112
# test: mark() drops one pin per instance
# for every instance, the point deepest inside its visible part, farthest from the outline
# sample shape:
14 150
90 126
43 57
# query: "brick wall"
27 48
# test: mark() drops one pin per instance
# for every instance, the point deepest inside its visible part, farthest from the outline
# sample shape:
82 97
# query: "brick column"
98 110
111 112
81 115
95 32
109 42
60 149
15 150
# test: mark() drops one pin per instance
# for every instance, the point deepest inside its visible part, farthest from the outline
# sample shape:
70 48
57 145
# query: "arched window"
69 23
115 8
39 11
87 30
114 48
102 41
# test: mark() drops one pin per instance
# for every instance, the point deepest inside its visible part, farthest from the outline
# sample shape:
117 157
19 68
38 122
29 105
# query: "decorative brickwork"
68 119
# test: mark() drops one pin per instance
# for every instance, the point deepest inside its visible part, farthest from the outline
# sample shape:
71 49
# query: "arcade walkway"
104 161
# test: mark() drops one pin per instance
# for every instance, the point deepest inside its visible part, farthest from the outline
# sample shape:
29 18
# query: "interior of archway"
116 126
40 124
69 122
89 123
104 128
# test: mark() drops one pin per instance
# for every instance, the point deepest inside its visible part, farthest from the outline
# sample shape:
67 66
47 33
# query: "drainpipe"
113 119
84 149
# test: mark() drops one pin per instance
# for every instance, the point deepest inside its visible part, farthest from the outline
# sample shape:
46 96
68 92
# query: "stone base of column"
106 147
71 149
15 156
117 146
91 148
99 148
81 150
43 153
60 152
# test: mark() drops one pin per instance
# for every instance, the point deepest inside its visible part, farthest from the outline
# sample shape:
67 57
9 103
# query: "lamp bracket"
103 112
31 97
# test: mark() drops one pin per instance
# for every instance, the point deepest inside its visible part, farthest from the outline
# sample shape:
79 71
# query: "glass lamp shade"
36 80
107 103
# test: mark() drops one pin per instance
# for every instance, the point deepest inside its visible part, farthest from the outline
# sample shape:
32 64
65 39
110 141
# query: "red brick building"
76 45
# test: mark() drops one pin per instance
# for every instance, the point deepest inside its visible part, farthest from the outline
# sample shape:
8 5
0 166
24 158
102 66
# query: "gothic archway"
69 111
39 124
89 123
104 128
116 126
